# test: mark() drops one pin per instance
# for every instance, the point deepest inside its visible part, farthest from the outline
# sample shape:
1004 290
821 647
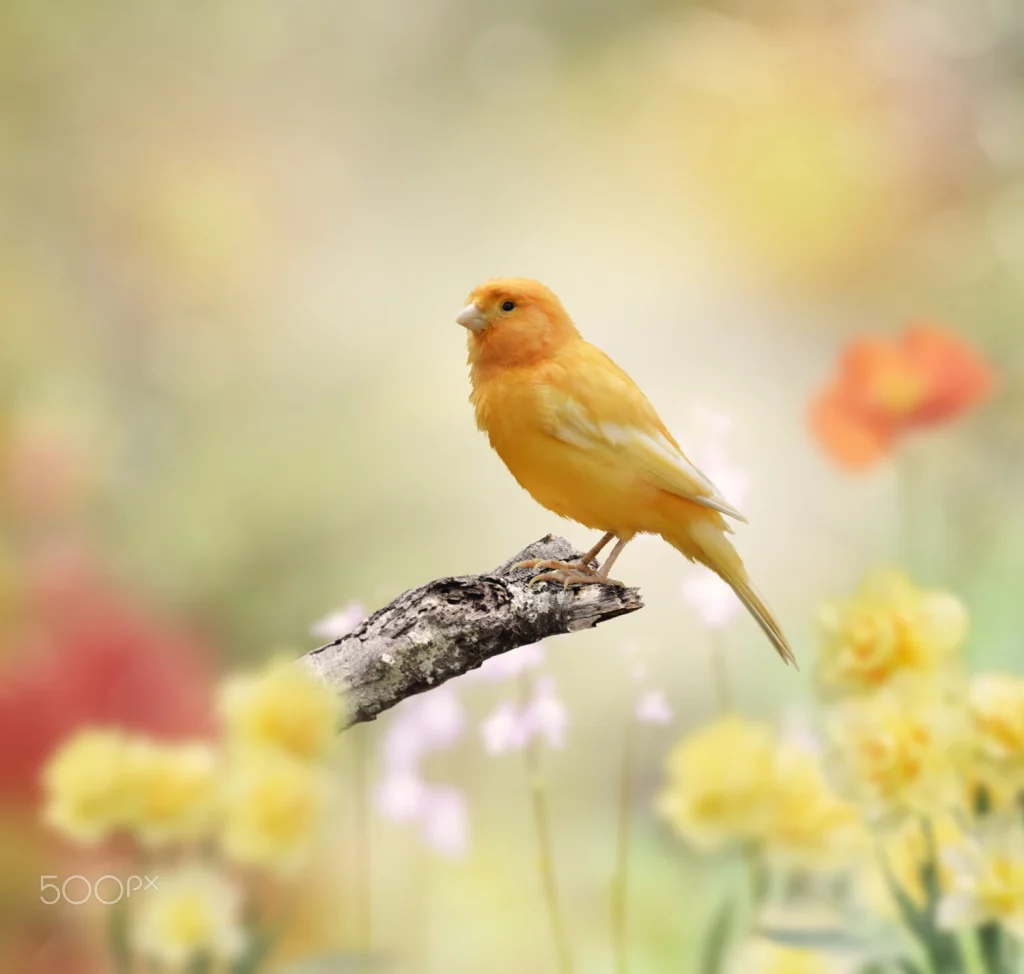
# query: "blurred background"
233 399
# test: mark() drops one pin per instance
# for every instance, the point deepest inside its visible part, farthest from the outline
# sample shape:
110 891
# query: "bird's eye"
508 306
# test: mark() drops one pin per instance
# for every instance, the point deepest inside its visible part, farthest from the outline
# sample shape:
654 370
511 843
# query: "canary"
578 434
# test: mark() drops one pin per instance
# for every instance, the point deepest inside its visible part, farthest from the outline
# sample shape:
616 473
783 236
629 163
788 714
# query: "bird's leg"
572 576
583 565
590 558
616 551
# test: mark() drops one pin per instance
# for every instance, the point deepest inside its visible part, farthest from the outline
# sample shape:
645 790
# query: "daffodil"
85 785
284 706
996 710
987 881
193 913
721 783
902 857
890 628
172 790
901 755
274 807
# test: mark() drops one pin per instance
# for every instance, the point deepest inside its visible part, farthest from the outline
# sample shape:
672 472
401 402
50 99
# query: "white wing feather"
665 463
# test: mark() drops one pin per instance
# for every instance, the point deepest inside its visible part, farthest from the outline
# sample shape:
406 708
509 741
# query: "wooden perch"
447 627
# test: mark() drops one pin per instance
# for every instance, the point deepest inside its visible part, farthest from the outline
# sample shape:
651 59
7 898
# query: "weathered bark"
451 625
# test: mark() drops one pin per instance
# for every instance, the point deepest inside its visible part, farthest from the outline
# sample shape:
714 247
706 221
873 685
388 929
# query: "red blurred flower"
883 389
92 658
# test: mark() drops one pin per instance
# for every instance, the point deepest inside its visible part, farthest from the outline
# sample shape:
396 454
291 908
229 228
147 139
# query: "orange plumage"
577 433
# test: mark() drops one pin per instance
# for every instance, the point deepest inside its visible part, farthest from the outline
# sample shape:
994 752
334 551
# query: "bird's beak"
472 317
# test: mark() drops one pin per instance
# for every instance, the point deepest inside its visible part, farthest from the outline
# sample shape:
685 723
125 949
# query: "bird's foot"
570 577
556 566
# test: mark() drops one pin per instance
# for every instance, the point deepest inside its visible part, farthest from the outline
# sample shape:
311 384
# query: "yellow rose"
284 706
274 807
721 782
890 628
193 913
900 755
85 785
173 790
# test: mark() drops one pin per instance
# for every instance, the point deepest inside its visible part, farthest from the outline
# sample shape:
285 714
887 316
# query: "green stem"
421 955
718 939
117 930
201 964
757 876
989 940
364 884
620 881
941 948
944 949
545 855
983 950
264 931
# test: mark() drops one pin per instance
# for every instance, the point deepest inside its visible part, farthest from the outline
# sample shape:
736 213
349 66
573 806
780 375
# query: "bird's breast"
590 486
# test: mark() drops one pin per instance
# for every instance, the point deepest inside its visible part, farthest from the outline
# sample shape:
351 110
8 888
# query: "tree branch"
447 627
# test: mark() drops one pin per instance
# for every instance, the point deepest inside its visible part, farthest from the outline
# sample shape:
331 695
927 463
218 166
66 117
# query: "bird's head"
514 321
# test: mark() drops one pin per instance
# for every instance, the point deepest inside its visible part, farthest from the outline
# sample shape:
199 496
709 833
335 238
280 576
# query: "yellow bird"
577 433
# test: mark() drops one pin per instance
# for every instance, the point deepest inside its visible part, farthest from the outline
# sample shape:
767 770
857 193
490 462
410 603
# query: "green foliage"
719 937
339 963
117 937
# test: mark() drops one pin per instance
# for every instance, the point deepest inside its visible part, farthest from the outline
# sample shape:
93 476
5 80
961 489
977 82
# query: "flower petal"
850 437
958 911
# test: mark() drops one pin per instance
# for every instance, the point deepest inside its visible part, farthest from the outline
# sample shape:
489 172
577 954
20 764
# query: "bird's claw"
555 566
570 577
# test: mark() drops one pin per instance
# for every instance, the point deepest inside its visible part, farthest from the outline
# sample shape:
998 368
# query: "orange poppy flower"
884 388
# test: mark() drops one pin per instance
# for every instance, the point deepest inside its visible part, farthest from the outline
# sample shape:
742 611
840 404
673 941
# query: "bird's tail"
703 541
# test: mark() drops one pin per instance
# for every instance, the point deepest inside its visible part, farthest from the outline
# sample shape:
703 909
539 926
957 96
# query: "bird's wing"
590 403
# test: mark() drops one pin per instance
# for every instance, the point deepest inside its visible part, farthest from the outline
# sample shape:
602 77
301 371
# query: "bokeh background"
233 239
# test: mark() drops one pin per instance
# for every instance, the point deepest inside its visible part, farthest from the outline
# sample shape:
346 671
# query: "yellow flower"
274 808
734 781
104 780
86 797
987 881
905 853
901 755
766 957
996 710
811 827
721 783
173 790
284 706
890 628
194 912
